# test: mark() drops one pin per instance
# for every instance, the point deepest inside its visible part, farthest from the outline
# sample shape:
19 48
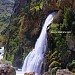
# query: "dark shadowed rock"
6 69
46 73
70 42
58 17
65 3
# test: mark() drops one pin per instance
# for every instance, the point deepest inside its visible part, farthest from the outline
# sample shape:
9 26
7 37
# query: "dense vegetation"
62 37
25 27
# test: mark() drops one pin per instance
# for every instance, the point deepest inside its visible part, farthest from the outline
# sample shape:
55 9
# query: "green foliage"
68 22
54 64
37 7
12 44
11 59
52 60
2 40
52 55
17 28
63 55
71 66
54 27
1 37
67 19
60 52
53 70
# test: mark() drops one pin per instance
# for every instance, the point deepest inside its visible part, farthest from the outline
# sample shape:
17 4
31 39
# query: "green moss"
1 37
37 7
52 55
54 27
54 63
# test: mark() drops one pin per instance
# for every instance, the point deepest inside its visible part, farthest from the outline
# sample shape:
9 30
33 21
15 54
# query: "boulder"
58 17
70 42
6 68
30 73
63 72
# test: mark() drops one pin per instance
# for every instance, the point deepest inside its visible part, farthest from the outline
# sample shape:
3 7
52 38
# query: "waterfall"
1 52
34 59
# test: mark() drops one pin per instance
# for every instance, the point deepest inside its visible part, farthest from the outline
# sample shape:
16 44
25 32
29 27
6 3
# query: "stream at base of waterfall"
33 61
19 72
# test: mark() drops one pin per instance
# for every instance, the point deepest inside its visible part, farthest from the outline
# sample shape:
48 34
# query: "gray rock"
63 72
47 73
6 69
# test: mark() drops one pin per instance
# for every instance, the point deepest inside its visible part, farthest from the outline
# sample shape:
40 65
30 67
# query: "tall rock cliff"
26 23
6 7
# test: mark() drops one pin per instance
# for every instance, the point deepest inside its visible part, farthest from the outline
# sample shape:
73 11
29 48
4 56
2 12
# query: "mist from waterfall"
33 61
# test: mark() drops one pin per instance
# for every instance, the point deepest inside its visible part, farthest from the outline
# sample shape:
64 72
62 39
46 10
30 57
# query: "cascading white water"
34 59
1 52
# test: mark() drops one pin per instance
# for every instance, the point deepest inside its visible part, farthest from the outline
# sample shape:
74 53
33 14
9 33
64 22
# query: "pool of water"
19 72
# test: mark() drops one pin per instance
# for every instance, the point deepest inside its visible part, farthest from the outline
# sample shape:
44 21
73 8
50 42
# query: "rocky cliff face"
61 38
6 7
26 24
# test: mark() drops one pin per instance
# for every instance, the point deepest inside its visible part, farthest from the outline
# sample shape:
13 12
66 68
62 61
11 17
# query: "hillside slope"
6 7
25 27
